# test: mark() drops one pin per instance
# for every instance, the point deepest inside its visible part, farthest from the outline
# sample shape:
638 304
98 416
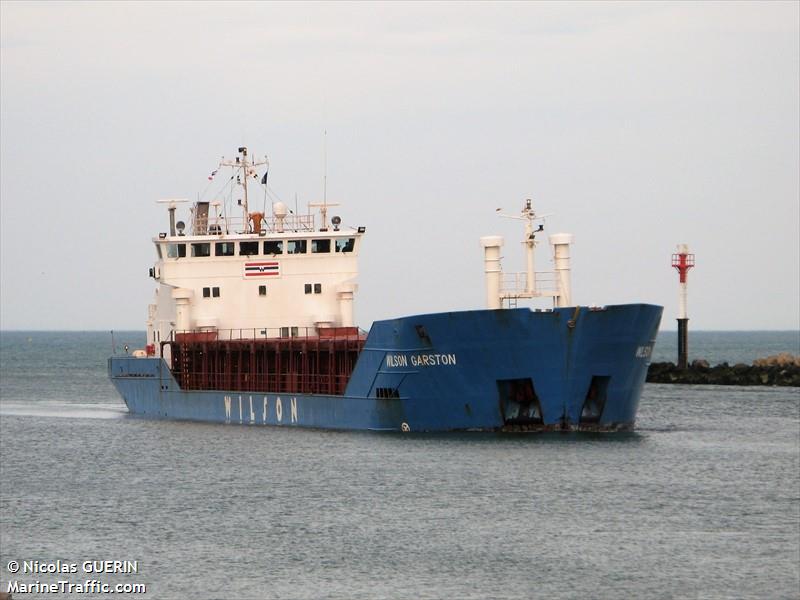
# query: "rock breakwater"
781 369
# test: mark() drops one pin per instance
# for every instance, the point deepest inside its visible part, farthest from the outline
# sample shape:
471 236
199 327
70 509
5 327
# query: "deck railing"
207 334
230 225
514 284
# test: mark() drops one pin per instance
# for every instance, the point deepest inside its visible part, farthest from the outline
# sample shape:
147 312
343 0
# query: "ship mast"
243 151
246 167
529 241
323 206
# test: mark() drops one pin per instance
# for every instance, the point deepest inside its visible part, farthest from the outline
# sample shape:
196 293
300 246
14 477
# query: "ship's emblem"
405 427
262 269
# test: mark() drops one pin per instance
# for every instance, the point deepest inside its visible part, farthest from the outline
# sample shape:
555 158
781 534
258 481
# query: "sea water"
701 501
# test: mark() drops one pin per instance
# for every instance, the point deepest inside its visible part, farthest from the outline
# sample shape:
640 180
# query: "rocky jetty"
781 369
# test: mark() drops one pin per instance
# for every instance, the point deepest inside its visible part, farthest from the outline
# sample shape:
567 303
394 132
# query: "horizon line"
797 330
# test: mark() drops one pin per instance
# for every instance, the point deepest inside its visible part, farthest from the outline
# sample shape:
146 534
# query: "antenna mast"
323 207
243 152
247 168
529 241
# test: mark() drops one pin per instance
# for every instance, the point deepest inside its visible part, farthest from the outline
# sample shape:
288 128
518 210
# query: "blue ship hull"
516 369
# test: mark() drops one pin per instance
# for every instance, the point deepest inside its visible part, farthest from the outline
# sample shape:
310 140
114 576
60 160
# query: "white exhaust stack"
560 243
491 261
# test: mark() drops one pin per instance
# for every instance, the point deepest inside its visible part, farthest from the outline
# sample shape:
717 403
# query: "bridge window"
320 246
201 249
224 248
248 248
296 246
273 247
345 244
176 250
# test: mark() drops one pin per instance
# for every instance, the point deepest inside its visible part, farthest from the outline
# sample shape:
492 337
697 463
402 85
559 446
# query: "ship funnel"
561 243
491 261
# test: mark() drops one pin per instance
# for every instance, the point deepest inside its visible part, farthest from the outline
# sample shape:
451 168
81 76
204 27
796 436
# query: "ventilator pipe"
561 243
491 262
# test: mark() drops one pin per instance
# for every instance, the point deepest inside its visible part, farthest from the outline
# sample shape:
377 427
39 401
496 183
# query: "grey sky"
639 126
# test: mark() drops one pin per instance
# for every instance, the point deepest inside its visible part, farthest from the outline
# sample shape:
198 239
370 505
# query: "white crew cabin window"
248 248
321 246
224 249
345 244
273 247
296 246
176 250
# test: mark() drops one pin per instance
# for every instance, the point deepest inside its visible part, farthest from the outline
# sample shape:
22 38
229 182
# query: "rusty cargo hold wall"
303 365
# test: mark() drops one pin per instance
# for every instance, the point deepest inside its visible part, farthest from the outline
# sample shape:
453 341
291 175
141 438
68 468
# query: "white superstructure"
257 275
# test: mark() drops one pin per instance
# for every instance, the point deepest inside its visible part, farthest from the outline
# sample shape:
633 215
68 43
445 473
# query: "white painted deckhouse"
252 275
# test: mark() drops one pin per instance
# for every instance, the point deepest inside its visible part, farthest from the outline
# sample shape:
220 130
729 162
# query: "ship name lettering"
294 410
644 351
421 360
396 360
279 409
433 360
264 413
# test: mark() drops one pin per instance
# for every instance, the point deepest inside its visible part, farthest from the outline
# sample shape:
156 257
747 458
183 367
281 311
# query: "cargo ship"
252 323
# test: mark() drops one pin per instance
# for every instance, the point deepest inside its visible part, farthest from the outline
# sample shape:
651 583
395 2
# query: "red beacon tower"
683 261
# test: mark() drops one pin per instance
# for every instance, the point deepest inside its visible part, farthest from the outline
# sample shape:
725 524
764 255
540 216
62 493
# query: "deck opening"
595 399
386 392
519 404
